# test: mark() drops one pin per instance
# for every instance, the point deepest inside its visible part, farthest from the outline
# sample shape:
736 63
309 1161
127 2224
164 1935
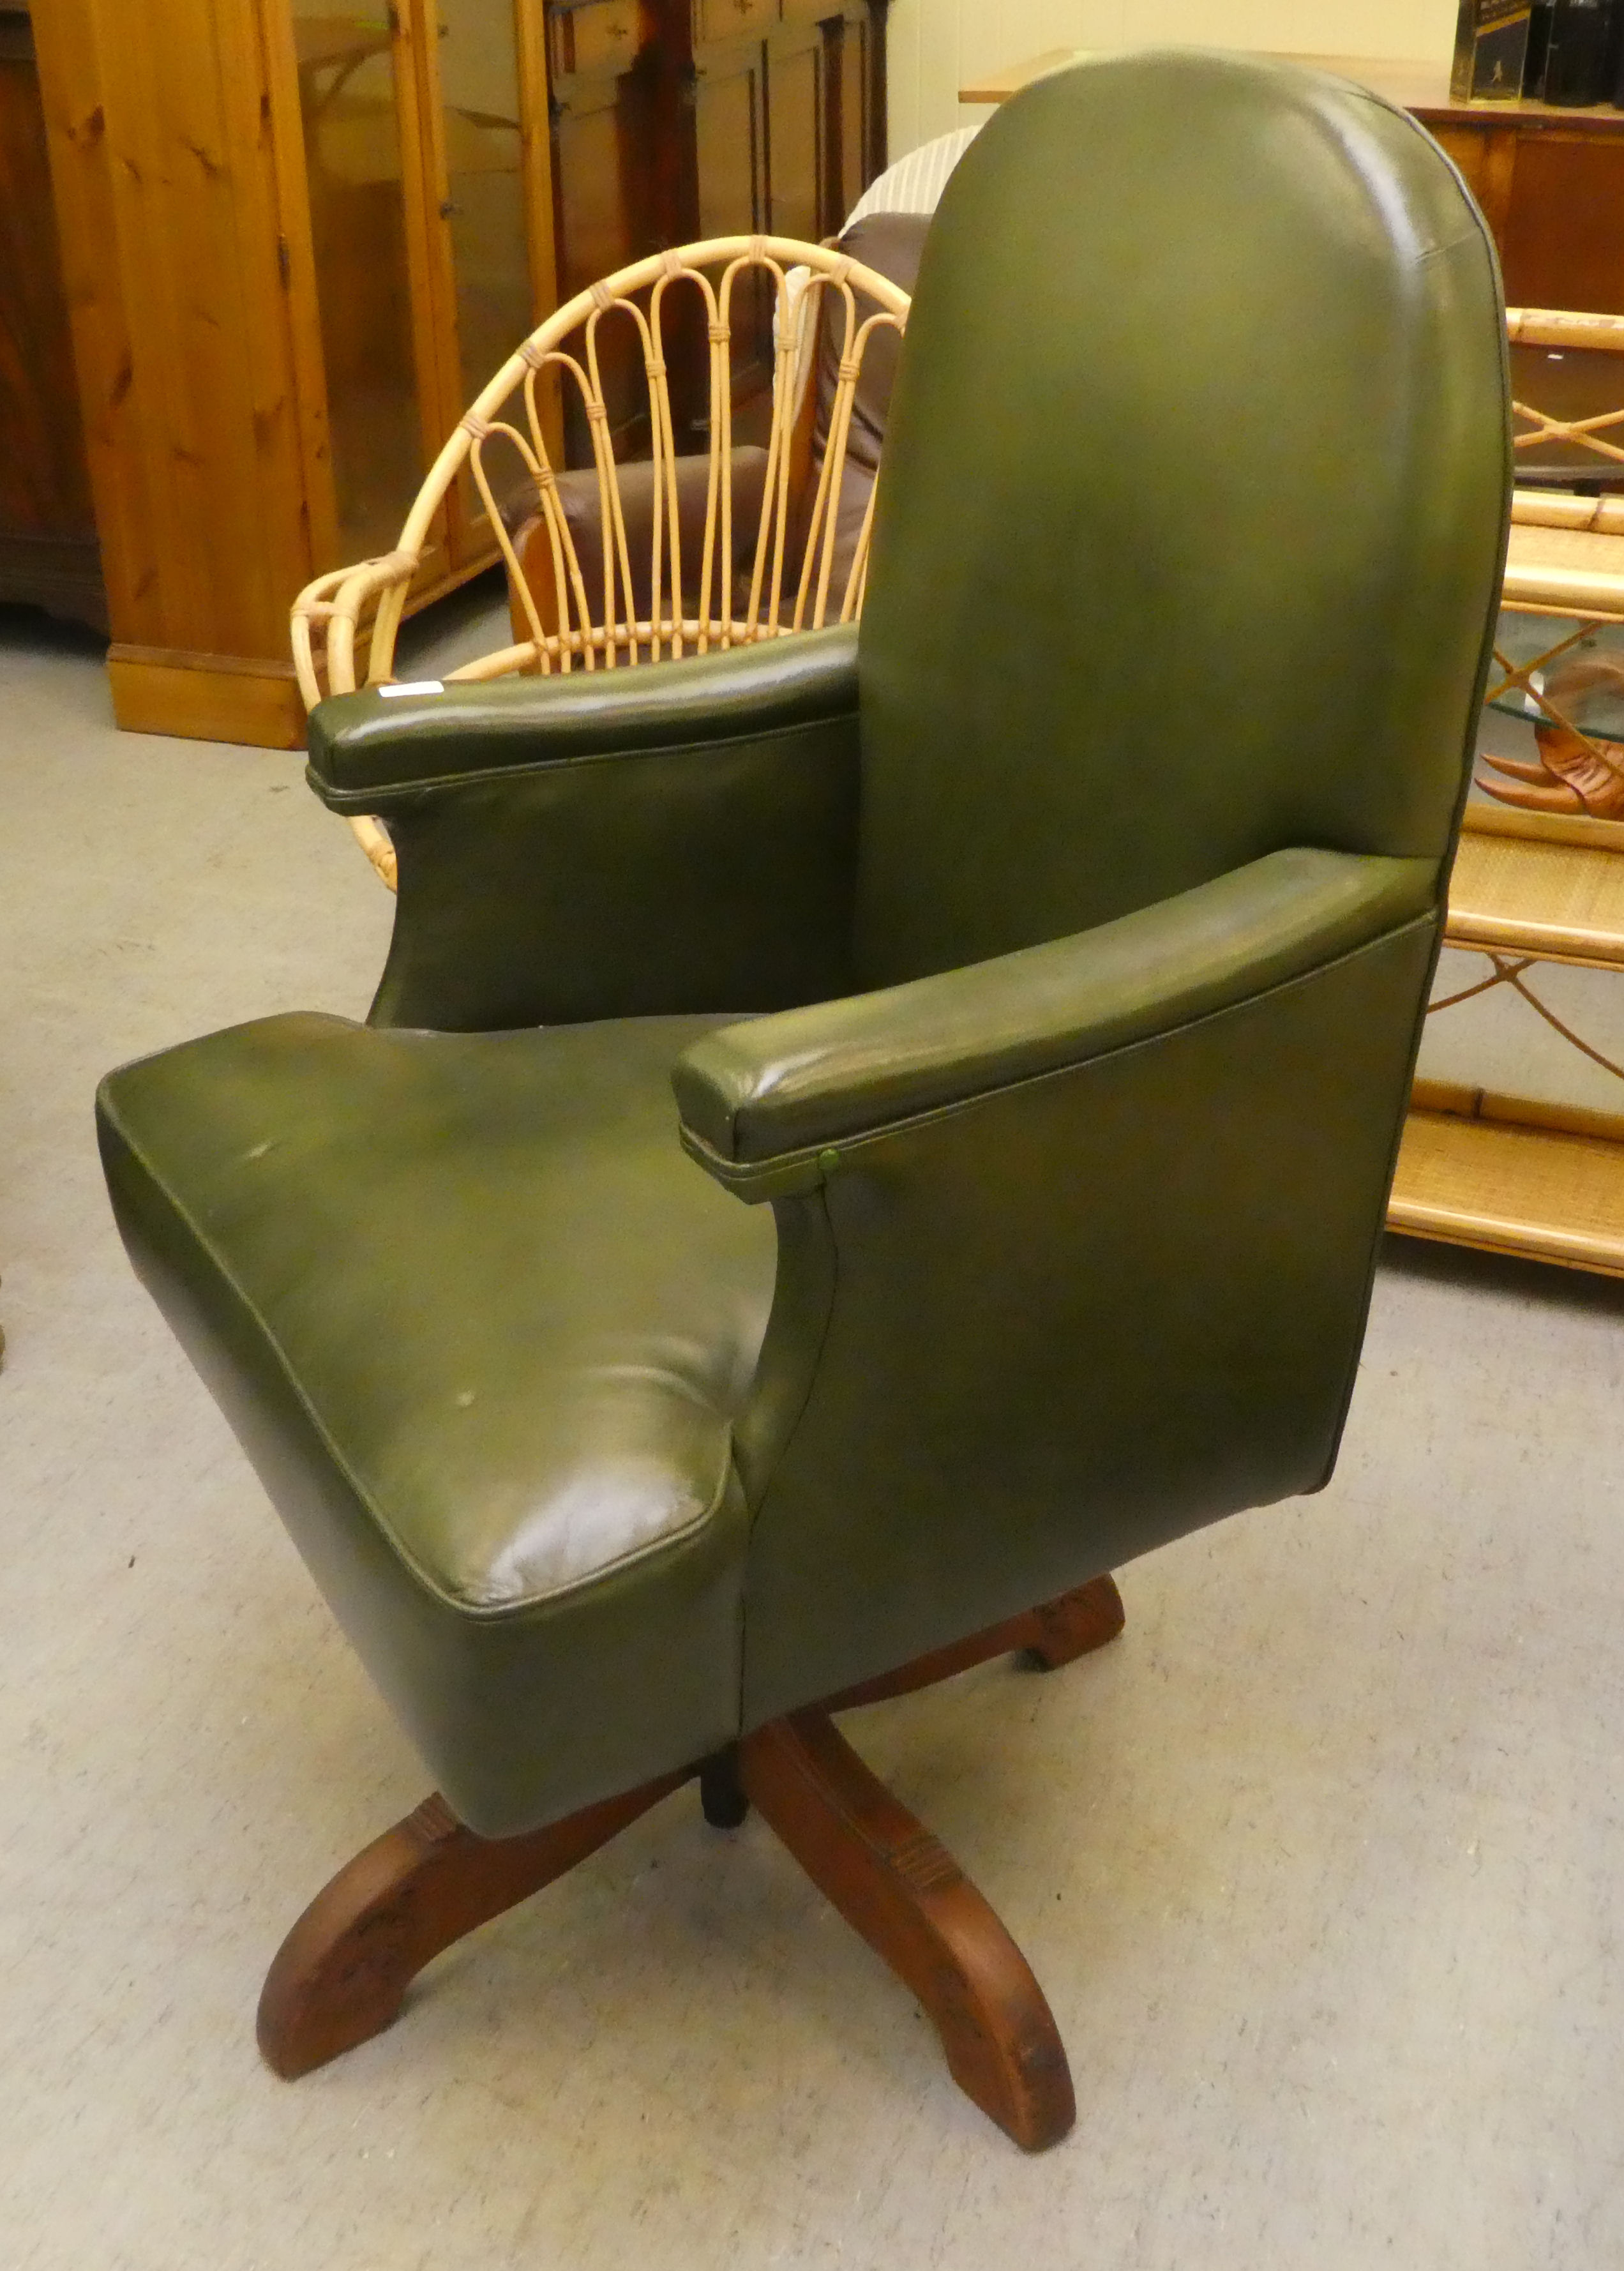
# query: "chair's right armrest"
1074 1245
762 1101
666 837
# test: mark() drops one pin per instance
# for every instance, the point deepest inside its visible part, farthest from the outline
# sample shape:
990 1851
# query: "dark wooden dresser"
49 553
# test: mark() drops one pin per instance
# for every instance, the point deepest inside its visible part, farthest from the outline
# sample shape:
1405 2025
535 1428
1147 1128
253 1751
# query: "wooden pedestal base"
902 1889
341 1974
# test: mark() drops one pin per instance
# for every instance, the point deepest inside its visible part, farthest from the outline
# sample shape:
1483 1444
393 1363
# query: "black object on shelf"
1577 61
1539 49
1491 43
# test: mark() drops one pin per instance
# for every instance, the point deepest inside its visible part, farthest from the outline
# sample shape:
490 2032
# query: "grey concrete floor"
1320 1864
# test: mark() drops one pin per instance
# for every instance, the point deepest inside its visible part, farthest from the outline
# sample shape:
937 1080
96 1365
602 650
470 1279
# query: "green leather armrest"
758 1099
371 750
671 838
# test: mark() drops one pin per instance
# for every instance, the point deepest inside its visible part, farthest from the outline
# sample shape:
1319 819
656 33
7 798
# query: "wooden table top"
1414 85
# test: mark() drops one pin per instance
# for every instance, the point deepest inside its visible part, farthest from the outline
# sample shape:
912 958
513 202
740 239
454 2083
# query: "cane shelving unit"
647 587
1540 876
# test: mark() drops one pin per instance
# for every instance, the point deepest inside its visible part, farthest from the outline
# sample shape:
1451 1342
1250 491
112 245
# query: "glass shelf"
1585 682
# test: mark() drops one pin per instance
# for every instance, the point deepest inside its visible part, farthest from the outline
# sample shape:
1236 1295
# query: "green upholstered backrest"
1195 475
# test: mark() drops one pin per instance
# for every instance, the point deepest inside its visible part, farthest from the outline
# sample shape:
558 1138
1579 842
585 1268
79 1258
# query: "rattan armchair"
657 579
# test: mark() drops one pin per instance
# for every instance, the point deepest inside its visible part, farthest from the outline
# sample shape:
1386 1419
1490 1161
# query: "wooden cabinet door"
681 119
490 218
730 163
801 193
608 179
854 76
1563 245
364 166
603 65
481 125
1554 199
730 136
48 532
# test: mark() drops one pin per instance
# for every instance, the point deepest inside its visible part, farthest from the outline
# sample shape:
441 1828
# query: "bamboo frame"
604 629
1533 882
1576 571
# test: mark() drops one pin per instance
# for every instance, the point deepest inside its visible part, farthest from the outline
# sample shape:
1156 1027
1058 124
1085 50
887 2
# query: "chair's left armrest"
768 1106
662 837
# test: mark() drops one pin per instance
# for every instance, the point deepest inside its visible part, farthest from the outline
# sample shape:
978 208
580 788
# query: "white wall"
936 45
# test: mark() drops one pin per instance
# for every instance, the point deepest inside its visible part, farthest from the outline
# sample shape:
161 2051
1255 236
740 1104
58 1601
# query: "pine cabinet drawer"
731 20
603 36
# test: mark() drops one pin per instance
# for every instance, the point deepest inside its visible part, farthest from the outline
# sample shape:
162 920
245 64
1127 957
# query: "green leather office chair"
1038 968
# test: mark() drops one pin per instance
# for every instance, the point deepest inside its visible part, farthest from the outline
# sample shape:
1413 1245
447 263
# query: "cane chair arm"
337 601
334 603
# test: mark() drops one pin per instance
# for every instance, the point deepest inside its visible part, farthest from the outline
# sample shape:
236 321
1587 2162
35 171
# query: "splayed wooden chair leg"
1055 1633
903 1891
1061 1631
340 1975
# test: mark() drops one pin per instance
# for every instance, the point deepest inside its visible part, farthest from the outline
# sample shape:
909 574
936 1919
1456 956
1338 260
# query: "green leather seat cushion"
521 1318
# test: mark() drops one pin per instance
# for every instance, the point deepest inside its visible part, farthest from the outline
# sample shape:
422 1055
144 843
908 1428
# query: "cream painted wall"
936 44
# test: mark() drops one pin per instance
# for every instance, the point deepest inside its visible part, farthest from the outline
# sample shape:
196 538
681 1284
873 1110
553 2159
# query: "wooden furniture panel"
855 136
729 19
1550 181
731 128
610 97
166 199
351 101
602 124
484 94
1562 236
206 697
49 553
1487 156
603 36
800 191
730 133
